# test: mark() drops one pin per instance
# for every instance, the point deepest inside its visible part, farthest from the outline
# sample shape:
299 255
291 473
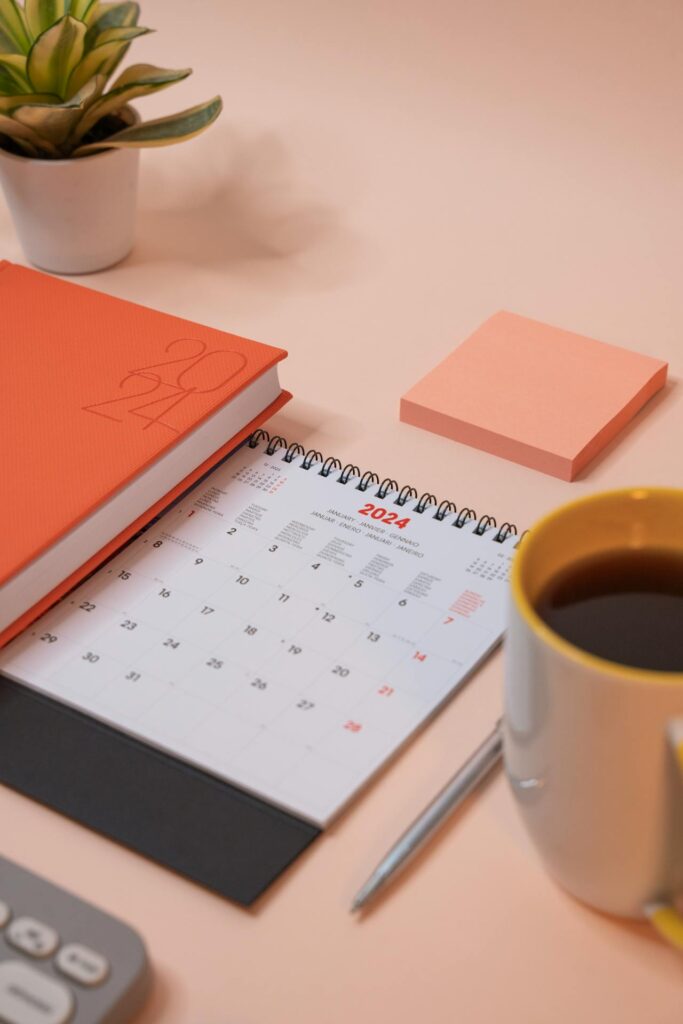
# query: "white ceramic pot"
73 216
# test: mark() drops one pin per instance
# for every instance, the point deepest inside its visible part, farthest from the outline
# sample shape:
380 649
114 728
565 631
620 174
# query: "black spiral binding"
426 502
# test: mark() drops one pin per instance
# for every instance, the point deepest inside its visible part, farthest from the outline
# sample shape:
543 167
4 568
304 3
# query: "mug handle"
665 919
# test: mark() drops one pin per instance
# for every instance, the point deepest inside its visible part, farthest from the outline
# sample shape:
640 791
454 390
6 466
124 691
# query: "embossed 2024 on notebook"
109 409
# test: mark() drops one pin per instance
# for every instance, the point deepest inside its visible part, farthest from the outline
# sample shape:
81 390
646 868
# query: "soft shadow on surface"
421 857
156 1004
310 424
645 418
641 930
240 211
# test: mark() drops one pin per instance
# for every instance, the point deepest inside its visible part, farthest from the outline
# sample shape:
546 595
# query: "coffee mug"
593 748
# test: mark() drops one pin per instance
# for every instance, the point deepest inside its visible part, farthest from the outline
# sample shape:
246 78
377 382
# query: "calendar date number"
377 512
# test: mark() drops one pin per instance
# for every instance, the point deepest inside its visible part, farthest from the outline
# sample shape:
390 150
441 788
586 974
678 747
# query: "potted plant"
69 145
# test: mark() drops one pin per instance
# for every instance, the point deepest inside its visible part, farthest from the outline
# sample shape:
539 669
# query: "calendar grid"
280 633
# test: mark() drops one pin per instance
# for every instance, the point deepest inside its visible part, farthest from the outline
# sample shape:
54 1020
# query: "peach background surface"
387 175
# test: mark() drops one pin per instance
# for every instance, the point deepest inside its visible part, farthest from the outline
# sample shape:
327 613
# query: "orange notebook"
109 410
534 394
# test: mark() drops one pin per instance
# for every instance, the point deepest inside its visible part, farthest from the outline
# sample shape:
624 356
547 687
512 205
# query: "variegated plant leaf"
147 74
55 122
14 37
55 54
6 43
164 131
9 103
26 137
101 16
8 84
104 59
121 34
137 80
81 8
56 57
14 64
25 148
41 14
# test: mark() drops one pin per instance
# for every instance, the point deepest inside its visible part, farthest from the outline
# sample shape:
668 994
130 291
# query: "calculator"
63 961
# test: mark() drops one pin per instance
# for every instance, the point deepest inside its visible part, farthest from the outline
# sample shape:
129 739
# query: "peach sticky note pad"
534 394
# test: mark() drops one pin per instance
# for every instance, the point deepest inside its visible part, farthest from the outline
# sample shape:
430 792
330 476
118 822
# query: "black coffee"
626 606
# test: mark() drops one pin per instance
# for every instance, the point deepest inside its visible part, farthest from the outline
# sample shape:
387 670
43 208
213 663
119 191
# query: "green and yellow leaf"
121 34
104 58
14 37
56 122
26 136
147 75
137 80
81 8
14 65
56 57
8 84
55 54
26 149
163 131
6 43
42 14
102 16
9 103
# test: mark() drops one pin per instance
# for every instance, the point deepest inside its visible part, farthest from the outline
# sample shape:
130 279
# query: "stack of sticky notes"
534 394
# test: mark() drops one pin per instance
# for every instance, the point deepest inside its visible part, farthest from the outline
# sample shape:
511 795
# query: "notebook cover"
100 389
177 815
125 535
538 395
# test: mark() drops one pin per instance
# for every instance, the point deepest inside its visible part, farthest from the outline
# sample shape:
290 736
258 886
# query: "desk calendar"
285 627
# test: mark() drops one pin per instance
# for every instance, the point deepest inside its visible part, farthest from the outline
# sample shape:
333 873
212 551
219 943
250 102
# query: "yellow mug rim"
553 639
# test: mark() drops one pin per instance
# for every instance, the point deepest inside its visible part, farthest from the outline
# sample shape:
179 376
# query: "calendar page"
280 628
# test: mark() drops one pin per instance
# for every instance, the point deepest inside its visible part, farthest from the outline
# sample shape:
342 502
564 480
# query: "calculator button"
28 996
82 964
4 914
32 937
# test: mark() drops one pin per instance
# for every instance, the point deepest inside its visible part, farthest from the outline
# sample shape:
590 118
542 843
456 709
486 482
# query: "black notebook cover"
178 815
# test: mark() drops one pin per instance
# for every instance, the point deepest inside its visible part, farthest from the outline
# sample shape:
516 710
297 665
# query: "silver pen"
468 777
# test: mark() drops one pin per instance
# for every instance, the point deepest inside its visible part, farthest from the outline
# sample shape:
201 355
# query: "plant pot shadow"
237 211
